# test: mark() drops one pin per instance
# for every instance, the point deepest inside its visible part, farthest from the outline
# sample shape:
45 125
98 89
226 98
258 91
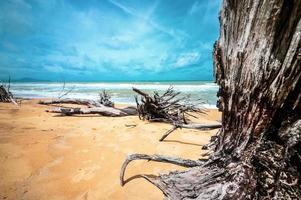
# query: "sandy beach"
46 156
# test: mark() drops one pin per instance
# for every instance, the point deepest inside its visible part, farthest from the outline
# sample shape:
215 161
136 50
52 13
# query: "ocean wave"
114 86
120 92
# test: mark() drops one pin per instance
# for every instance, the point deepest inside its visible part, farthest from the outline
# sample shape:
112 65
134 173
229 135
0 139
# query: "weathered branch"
191 126
86 102
202 127
168 132
101 110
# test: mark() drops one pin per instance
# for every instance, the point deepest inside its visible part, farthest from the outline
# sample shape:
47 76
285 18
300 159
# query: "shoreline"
122 104
45 156
120 92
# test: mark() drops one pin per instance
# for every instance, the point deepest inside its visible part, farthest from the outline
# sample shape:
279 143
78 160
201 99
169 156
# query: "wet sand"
46 156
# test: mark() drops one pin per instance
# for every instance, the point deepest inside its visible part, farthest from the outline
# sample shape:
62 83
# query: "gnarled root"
157 158
207 182
200 181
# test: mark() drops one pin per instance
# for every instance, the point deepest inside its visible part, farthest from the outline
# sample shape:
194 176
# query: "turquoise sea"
121 92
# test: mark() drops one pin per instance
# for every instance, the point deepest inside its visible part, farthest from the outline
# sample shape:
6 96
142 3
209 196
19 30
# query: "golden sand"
45 156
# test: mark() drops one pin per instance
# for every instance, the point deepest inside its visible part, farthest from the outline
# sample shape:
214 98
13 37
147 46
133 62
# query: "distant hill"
26 79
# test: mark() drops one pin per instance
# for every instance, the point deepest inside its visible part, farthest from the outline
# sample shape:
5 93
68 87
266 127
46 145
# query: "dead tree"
104 106
257 154
91 107
5 95
169 108
105 99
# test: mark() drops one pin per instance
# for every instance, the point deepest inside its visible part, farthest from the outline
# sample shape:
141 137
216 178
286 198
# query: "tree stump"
257 154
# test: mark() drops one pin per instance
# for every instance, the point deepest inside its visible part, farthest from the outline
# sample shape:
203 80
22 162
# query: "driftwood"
169 108
93 107
101 110
105 99
257 153
5 95
166 107
86 102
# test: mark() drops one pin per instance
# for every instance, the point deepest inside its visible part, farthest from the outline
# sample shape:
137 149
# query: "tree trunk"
257 154
258 67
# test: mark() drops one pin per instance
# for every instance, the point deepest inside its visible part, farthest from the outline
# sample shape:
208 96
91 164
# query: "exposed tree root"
207 182
157 158
168 107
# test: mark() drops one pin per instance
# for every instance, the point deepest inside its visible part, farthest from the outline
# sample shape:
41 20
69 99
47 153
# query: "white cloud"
187 59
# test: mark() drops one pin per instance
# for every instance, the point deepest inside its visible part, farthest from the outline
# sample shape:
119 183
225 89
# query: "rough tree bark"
257 154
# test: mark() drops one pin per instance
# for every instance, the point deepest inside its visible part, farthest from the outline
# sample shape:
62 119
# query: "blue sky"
101 40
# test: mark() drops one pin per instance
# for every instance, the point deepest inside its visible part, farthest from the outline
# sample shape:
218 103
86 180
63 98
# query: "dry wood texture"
93 107
101 110
168 107
86 102
257 153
